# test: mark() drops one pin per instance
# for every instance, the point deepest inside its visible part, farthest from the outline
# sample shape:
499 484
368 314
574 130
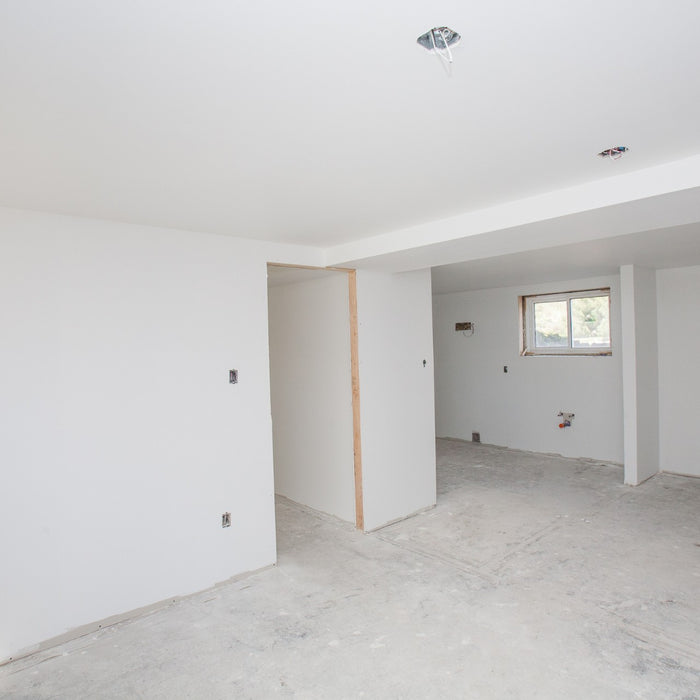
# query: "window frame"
527 324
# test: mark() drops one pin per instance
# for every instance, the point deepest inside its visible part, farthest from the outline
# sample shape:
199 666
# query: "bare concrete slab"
534 577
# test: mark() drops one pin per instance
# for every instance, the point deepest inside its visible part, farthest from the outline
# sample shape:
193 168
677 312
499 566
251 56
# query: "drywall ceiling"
675 247
323 124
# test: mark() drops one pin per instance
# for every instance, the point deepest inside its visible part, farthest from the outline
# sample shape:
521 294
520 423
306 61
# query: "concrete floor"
534 577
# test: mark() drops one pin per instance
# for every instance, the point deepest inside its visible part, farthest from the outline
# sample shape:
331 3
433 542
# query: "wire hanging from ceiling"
440 41
614 153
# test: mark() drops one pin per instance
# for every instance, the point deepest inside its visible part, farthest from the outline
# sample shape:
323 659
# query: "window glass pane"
551 326
590 322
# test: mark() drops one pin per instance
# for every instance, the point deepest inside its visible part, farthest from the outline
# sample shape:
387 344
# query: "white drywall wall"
397 394
678 292
519 409
311 394
640 372
121 440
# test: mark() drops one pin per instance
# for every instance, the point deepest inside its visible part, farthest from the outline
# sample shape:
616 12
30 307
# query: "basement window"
567 323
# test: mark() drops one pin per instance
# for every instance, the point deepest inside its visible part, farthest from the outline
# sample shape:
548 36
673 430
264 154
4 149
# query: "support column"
640 373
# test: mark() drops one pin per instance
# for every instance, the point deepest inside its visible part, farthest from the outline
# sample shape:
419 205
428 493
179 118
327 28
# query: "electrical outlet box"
464 326
226 520
476 437
233 376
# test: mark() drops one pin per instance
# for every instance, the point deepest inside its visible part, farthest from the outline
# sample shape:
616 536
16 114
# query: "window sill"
566 353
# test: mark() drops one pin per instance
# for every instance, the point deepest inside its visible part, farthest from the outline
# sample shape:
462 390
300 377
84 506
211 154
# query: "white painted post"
639 373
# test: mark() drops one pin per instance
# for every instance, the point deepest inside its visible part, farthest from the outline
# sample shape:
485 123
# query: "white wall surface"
121 440
640 372
678 298
311 394
397 394
519 409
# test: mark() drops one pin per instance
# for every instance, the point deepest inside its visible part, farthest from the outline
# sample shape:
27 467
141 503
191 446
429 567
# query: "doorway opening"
314 389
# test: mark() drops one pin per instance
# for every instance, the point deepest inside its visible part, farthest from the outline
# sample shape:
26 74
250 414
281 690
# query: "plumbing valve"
566 419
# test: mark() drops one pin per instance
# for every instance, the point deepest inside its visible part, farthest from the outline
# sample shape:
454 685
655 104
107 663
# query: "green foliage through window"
567 323
551 325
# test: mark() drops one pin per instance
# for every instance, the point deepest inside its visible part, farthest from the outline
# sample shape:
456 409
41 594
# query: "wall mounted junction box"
464 326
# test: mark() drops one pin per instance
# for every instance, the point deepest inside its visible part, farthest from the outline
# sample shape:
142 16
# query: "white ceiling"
321 123
675 247
318 123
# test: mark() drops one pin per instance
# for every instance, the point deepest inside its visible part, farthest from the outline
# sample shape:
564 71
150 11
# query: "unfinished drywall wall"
122 440
311 393
519 408
397 394
678 292
640 372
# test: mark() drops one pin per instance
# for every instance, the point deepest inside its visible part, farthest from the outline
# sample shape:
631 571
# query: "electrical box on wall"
464 326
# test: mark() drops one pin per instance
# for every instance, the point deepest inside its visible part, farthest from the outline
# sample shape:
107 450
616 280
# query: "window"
570 323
